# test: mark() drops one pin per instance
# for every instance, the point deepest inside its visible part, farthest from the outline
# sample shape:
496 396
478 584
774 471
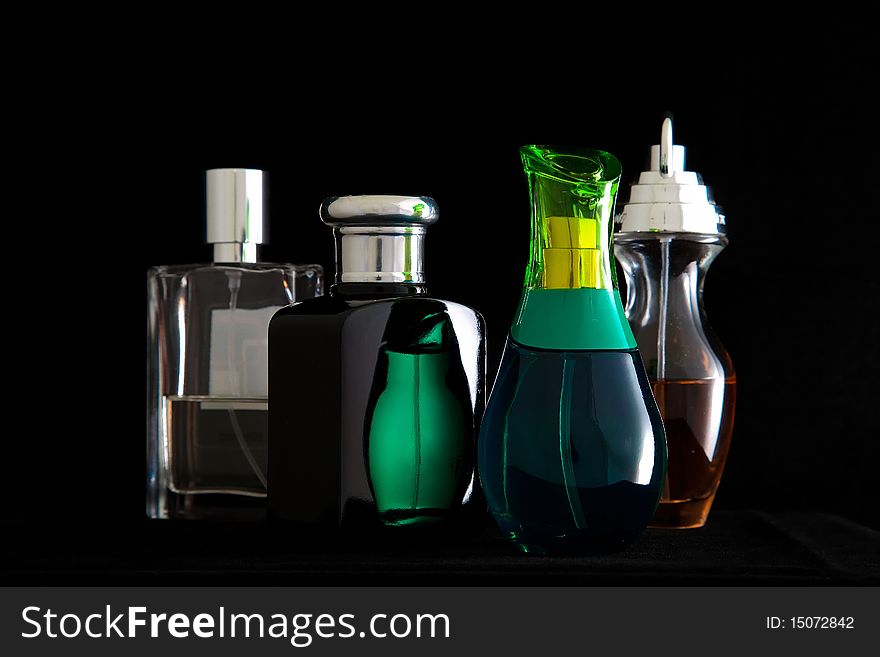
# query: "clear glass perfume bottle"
572 450
384 435
207 360
668 235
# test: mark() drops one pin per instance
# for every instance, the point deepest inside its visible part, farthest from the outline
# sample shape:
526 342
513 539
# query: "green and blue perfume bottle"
572 451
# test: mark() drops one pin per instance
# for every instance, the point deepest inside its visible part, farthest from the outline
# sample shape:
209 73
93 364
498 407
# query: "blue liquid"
572 452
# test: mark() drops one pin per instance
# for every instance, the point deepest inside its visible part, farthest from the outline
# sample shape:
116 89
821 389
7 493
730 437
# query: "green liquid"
420 436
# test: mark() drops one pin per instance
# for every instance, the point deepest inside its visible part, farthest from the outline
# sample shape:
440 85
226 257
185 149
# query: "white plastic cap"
669 199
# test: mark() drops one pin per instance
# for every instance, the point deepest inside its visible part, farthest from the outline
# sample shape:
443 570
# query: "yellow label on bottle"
572 253
572 233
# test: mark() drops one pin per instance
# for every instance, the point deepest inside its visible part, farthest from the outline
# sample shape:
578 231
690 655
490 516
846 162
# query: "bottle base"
209 506
363 517
683 514
416 518
538 542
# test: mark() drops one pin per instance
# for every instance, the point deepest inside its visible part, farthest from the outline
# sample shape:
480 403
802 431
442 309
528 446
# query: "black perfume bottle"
376 390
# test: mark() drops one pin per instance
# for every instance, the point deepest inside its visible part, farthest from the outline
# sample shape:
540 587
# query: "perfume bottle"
572 450
384 435
668 235
207 361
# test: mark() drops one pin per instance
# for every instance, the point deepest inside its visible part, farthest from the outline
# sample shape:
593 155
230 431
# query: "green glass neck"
403 366
570 298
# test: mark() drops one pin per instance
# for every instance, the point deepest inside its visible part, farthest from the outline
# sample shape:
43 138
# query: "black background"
116 115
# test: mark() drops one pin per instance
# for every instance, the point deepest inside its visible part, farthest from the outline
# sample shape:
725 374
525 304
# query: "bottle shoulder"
427 300
463 309
681 237
323 305
331 304
176 271
196 289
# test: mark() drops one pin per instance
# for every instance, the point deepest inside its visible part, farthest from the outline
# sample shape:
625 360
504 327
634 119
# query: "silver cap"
669 199
236 213
379 210
379 239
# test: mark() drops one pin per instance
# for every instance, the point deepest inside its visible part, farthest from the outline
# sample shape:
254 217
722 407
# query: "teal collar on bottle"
572 319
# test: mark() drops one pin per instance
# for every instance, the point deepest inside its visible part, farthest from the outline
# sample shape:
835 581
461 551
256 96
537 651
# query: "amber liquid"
217 444
698 416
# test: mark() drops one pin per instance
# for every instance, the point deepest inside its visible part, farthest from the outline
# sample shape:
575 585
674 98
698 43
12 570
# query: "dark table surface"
735 548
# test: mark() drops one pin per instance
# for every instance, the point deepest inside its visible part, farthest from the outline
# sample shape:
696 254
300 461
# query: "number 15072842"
810 623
